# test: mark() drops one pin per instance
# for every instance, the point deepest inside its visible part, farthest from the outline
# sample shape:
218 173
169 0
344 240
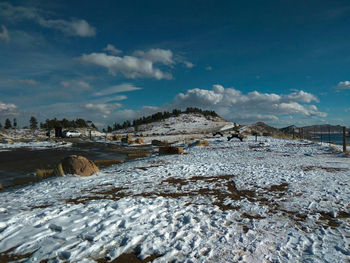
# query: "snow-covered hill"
182 124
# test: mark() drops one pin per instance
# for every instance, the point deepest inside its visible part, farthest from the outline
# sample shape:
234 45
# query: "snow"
182 124
268 201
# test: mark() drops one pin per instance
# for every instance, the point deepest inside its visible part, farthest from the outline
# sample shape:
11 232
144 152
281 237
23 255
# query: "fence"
324 134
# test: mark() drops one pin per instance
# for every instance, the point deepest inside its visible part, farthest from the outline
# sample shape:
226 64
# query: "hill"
324 128
184 123
262 129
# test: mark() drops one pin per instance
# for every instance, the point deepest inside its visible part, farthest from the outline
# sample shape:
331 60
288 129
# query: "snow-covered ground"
39 145
182 124
268 201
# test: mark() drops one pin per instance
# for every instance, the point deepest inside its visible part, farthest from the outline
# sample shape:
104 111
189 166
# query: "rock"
139 141
117 137
143 135
78 165
128 139
1 187
7 141
170 150
159 143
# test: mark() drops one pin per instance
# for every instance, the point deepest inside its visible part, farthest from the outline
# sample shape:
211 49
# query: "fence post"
344 139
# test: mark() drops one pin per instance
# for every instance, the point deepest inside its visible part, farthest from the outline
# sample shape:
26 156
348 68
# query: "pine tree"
0 125
33 123
8 124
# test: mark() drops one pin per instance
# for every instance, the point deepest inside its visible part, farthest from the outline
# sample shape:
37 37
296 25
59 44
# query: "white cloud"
188 64
5 34
117 89
7 109
111 49
129 66
104 109
76 84
209 68
75 27
156 55
302 96
232 103
18 13
343 85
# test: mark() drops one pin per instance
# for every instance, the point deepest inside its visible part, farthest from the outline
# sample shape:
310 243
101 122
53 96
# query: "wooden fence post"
344 139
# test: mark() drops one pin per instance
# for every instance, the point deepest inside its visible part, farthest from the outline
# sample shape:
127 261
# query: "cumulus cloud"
343 85
74 27
301 96
7 109
111 49
117 89
232 103
129 66
4 35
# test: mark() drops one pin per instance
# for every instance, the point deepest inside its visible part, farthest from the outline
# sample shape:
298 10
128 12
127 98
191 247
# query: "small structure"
58 132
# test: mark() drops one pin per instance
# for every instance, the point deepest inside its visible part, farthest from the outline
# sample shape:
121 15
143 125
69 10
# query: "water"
337 138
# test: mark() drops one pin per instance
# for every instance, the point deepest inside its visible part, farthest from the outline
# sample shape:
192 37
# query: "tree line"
50 124
160 116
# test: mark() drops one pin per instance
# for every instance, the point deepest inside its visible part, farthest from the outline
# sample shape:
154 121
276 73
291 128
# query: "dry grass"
44 173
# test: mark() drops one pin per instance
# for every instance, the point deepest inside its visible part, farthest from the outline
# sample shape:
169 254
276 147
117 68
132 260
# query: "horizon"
282 62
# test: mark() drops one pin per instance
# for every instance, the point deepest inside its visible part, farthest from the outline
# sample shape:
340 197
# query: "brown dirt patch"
107 194
129 258
8 256
327 169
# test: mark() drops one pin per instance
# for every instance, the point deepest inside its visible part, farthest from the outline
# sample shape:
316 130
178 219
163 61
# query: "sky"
281 62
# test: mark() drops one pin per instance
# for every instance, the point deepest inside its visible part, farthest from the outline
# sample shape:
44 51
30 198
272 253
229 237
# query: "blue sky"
282 62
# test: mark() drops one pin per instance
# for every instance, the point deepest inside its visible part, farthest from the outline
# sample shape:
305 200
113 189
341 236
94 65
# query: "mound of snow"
182 124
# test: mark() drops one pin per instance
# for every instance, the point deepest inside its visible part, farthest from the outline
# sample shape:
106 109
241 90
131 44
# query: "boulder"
159 143
117 137
78 165
128 139
139 141
7 141
170 150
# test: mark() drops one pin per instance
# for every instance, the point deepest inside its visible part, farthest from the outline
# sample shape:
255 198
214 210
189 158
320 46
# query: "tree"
33 123
0 125
8 124
14 123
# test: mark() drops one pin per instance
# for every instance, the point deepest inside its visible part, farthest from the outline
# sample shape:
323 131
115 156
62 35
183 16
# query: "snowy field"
268 201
